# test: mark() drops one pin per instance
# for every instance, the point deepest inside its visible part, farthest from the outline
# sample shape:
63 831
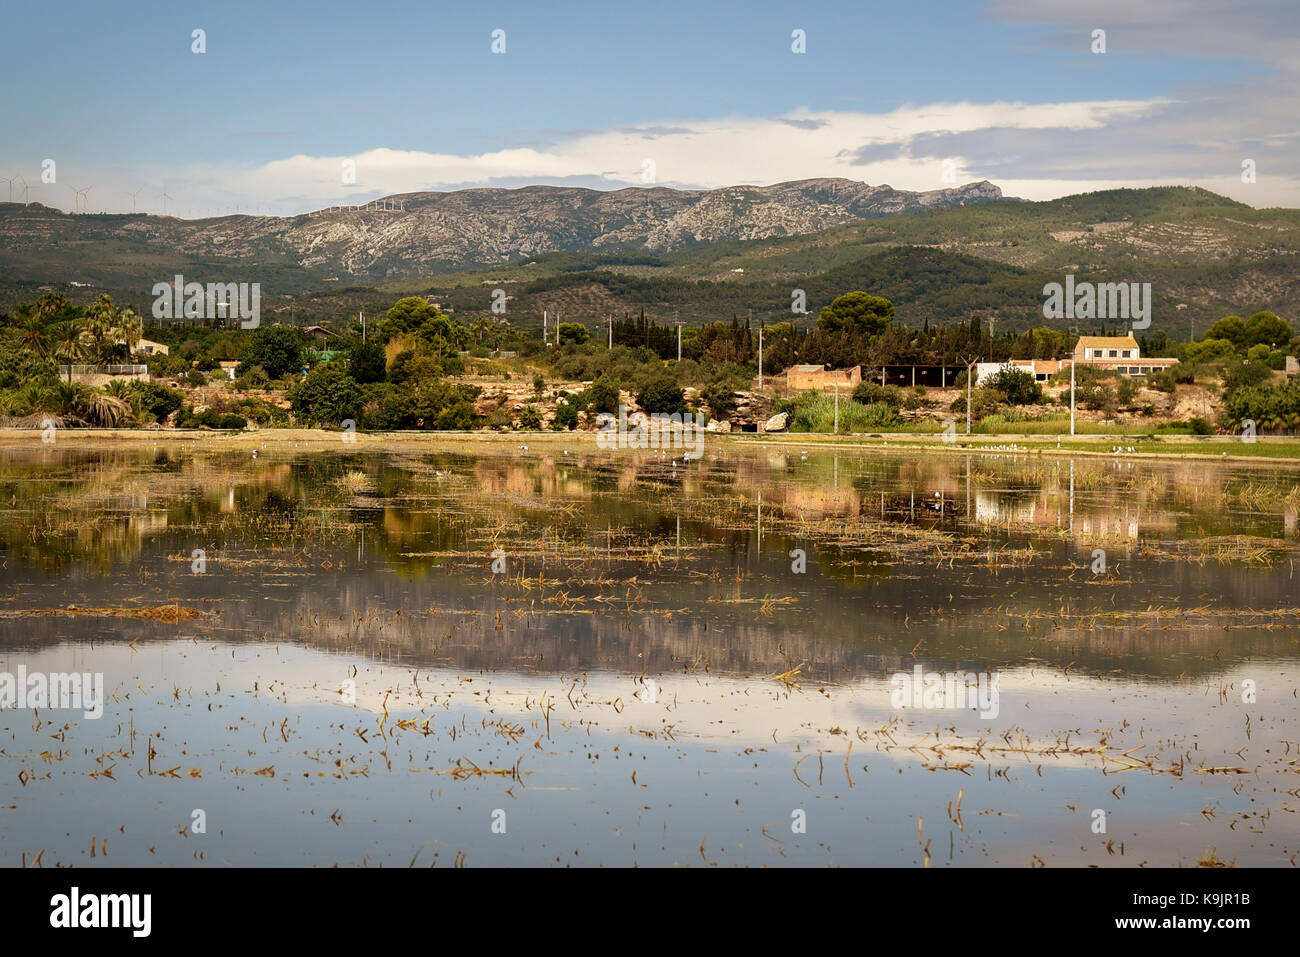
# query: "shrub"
263 413
602 395
574 332
983 402
815 412
254 378
327 396
431 404
367 363
867 393
1016 386
1273 408
530 417
158 400
459 416
1125 391
209 419
662 394
277 349
1207 350
566 417
1099 397
1239 375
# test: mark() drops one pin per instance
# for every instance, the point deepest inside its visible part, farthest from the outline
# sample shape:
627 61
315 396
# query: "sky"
292 107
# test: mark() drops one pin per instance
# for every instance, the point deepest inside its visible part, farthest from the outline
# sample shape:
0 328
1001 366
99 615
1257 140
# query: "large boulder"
718 425
776 423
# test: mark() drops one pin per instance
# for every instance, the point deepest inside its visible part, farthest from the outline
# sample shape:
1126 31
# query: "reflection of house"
997 507
805 377
1117 354
1105 525
1041 369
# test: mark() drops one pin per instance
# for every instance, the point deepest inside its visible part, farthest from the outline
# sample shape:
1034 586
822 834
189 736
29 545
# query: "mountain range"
695 255
421 234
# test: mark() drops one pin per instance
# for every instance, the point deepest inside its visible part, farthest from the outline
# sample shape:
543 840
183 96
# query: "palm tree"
100 408
50 305
479 327
69 343
32 334
101 320
130 328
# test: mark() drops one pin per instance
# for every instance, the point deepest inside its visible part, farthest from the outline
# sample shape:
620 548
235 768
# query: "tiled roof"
1107 342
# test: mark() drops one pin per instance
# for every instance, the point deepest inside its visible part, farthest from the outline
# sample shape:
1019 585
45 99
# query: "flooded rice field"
415 654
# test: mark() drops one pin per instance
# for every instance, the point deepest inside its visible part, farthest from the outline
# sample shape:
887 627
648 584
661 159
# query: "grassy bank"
1268 448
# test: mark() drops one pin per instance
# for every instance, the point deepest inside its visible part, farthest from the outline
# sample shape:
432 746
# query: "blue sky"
588 93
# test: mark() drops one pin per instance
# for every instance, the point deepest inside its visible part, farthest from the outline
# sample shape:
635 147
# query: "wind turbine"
133 196
26 189
80 195
11 186
164 198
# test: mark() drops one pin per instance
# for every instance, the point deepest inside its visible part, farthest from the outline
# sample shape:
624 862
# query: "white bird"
254 453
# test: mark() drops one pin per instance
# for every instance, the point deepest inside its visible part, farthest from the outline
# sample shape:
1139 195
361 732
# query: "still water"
440 653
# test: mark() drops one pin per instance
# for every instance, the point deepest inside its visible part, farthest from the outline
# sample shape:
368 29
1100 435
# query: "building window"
1126 353
1122 370
1113 353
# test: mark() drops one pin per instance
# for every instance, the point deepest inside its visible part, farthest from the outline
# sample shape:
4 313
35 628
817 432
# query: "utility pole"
543 327
363 325
970 376
1072 397
968 399
678 322
611 330
760 357
837 404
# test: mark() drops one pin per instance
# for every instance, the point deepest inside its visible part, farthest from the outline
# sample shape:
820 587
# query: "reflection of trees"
591 524
453 620
77 508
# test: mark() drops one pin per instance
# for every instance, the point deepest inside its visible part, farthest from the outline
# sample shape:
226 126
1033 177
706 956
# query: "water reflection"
622 566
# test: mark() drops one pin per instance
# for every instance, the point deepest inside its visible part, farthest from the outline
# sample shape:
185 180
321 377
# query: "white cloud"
1024 148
